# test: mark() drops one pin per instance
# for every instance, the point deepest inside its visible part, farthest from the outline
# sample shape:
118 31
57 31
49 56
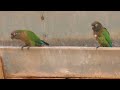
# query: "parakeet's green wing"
107 36
32 36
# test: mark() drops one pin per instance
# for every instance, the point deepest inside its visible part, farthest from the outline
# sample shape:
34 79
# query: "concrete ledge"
61 62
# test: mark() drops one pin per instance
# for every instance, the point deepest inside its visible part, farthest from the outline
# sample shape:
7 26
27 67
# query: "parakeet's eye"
18 33
96 25
14 34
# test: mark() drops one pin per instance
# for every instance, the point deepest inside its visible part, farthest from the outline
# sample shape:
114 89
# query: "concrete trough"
61 62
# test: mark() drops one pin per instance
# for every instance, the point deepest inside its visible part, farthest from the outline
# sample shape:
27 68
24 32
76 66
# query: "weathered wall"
60 27
82 62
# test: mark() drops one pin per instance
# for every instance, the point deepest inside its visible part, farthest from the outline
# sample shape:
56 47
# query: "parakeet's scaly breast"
102 41
25 39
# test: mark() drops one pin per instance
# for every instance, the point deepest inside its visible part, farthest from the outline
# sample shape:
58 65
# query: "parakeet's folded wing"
32 36
107 37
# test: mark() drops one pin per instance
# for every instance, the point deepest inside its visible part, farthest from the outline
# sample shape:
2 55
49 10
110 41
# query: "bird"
28 37
101 34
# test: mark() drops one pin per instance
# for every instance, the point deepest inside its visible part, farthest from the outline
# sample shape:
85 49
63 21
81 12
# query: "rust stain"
61 76
2 73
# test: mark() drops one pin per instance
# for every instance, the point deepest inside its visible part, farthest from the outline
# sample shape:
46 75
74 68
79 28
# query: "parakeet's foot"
22 47
25 46
28 47
97 47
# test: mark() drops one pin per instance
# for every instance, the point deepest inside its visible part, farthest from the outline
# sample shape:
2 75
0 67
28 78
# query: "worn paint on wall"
61 62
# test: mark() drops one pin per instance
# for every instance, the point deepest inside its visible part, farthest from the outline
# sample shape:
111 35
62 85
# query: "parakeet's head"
16 34
96 26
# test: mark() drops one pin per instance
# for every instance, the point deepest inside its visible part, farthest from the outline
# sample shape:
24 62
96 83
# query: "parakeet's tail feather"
110 44
45 43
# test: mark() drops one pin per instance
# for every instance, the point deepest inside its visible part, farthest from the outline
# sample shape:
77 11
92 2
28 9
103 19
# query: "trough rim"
61 47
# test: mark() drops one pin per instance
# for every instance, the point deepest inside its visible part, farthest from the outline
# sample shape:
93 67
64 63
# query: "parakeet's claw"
22 47
97 47
28 48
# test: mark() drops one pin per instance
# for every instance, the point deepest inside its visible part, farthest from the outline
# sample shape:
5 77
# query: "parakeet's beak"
92 27
12 36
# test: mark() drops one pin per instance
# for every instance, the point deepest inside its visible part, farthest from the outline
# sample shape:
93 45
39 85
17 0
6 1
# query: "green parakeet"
28 37
101 34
